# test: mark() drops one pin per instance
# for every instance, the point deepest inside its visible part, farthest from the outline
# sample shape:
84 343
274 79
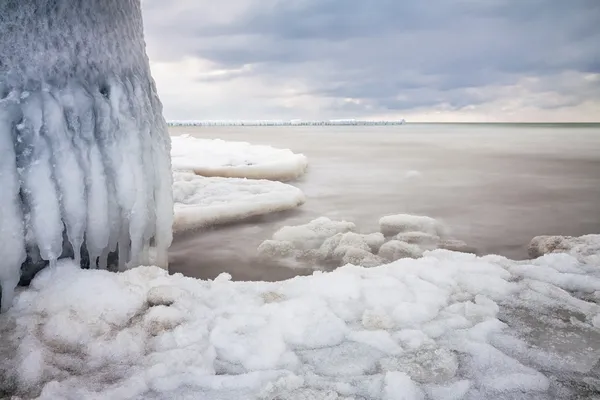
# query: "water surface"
495 185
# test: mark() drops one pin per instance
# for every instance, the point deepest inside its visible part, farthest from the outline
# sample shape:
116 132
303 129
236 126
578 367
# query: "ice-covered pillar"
84 149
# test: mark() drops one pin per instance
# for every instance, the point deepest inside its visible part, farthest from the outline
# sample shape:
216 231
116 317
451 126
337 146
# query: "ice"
445 326
393 224
215 157
323 243
395 250
85 150
585 248
201 202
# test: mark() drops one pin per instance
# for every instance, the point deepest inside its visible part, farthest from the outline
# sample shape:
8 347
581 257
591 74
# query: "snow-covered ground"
445 326
201 201
235 159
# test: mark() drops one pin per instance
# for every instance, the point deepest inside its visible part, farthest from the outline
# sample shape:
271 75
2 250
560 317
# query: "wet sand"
495 186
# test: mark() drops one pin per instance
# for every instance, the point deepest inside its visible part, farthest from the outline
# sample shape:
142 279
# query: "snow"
445 326
201 202
216 157
85 150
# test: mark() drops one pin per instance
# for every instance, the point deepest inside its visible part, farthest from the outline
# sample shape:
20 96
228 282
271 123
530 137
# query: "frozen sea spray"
85 168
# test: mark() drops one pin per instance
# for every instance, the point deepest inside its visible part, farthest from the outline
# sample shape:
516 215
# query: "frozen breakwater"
85 168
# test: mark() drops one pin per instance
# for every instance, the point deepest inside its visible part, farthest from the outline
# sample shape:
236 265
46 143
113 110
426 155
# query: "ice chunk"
313 234
395 250
393 224
456 245
585 248
421 239
201 202
82 129
235 159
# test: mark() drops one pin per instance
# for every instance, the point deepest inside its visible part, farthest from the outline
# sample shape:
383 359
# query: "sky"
422 60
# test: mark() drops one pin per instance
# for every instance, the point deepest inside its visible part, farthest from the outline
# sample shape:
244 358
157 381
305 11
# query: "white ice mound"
311 236
208 157
201 202
326 243
84 149
585 248
393 224
395 250
426 328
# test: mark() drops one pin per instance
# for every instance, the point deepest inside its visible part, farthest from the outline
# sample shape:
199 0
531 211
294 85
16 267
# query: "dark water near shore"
496 186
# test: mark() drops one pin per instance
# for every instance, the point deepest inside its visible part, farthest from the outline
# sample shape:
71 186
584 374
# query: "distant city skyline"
436 61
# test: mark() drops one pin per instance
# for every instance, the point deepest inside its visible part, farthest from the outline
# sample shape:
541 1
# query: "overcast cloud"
438 60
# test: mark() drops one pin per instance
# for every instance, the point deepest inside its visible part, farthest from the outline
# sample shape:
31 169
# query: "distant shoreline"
274 123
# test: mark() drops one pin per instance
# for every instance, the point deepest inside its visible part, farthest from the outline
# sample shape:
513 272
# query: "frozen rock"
456 245
585 248
313 234
421 239
395 250
393 224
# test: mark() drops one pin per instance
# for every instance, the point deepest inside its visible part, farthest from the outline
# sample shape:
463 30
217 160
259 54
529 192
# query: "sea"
496 186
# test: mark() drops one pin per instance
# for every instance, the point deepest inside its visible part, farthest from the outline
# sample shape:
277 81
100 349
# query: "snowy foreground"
445 326
215 157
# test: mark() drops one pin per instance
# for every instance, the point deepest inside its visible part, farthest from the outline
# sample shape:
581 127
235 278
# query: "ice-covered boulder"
84 165
313 234
395 250
391 225
585 248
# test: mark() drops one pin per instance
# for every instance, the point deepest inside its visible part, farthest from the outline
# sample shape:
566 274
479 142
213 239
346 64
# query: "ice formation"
84 165
215 157
399 223
445 326
201 202
324 243
586 248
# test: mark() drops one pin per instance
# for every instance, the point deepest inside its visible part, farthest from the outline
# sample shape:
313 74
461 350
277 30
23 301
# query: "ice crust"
446 326
84 148
201 202
216 157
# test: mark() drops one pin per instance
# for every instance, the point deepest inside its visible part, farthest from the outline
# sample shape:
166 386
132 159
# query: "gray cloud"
389 54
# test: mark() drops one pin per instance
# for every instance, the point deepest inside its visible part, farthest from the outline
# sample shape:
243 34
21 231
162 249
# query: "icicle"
67 171
39 187
80 116
12 234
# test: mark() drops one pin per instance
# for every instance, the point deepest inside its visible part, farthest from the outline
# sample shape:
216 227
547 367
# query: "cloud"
355 58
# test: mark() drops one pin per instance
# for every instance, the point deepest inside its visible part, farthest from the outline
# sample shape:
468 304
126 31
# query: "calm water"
495 186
